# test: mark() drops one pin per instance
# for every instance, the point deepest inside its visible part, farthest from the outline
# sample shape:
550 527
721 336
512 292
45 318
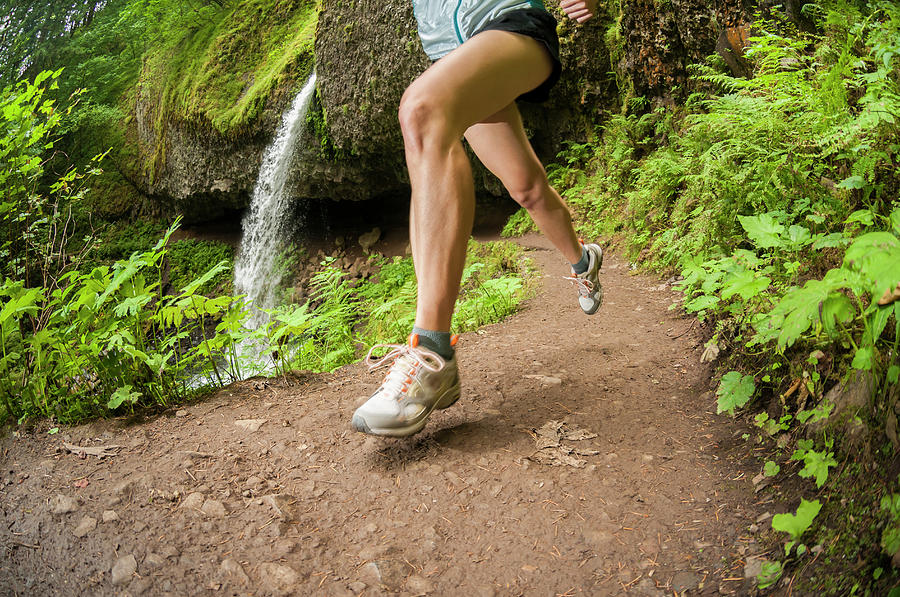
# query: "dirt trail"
195 503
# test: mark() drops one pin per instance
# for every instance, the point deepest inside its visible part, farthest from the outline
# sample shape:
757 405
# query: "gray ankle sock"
438 342
582 266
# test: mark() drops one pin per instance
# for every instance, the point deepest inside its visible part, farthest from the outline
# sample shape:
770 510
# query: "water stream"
266 223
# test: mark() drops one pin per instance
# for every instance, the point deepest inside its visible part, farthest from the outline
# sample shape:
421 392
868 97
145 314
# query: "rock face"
367 52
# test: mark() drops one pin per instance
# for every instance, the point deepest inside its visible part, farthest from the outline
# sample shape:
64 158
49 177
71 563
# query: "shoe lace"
584 286
405 362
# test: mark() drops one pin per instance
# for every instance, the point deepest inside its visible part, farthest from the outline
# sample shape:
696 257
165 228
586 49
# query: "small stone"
154 561
251 425
230 569
685 581
63 504
369 238
753 567
84 527
597 539
122 488
193 501
370 573
417 585
277 577
214 508
124 569
110 516
647 458
181 413
357 587
139 586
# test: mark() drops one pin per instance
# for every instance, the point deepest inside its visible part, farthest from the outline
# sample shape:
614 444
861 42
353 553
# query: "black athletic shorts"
540 25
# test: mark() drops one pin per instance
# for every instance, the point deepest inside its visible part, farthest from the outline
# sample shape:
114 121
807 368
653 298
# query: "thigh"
500 143
481 77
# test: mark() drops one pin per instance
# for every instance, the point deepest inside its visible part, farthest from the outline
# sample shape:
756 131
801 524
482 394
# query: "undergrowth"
776 199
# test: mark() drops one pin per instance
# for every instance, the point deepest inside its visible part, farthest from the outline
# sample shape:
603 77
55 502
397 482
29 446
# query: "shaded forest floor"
263 489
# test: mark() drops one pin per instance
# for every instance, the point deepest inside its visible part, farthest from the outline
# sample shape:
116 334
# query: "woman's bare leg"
500 143
477 80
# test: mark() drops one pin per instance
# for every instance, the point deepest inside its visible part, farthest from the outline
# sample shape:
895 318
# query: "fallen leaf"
889 296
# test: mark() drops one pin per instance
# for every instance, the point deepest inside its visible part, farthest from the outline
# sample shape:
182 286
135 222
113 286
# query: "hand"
579 10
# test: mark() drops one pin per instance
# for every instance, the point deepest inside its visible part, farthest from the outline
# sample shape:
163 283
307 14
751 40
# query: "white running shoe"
418 382
590 292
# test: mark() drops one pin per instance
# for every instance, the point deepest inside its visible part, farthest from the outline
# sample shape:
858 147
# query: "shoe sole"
359 423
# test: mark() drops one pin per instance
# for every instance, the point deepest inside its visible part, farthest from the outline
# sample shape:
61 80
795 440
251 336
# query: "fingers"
578 10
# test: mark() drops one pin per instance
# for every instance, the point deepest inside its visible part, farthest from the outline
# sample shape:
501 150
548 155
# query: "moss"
222 73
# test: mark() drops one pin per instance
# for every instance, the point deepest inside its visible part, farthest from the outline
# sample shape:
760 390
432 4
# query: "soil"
263 488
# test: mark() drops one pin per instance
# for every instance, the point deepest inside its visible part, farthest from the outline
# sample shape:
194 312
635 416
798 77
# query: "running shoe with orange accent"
590 292
418 382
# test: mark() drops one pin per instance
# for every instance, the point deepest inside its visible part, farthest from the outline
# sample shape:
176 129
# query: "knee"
421 118
533 194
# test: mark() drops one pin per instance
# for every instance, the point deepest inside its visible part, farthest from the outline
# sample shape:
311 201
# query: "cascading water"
265 224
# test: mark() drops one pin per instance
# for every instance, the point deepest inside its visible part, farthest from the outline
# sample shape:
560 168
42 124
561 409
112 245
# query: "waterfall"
265 225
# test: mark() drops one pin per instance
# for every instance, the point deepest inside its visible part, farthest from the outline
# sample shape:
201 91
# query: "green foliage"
890 536
491 288
815 464
771 469
769 574
189 259
797 524
735 390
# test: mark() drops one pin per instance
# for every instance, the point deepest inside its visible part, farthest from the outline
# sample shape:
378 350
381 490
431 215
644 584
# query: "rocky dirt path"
263 489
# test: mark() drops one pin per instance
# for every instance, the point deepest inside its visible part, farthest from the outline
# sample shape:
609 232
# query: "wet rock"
277 578
84 527
369 238
63 504
251 425
231 570
109 516
214 509
124 569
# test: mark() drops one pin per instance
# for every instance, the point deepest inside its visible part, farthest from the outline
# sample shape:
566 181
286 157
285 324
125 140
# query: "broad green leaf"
122 395
771 468
836 310
797 524
852 182
799 236
735 390
893 374
763 230
876 256
747 284
862 359
701 303
834 239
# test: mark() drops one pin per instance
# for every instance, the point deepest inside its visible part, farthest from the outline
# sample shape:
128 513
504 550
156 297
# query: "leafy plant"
735 390
797 524
815 464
